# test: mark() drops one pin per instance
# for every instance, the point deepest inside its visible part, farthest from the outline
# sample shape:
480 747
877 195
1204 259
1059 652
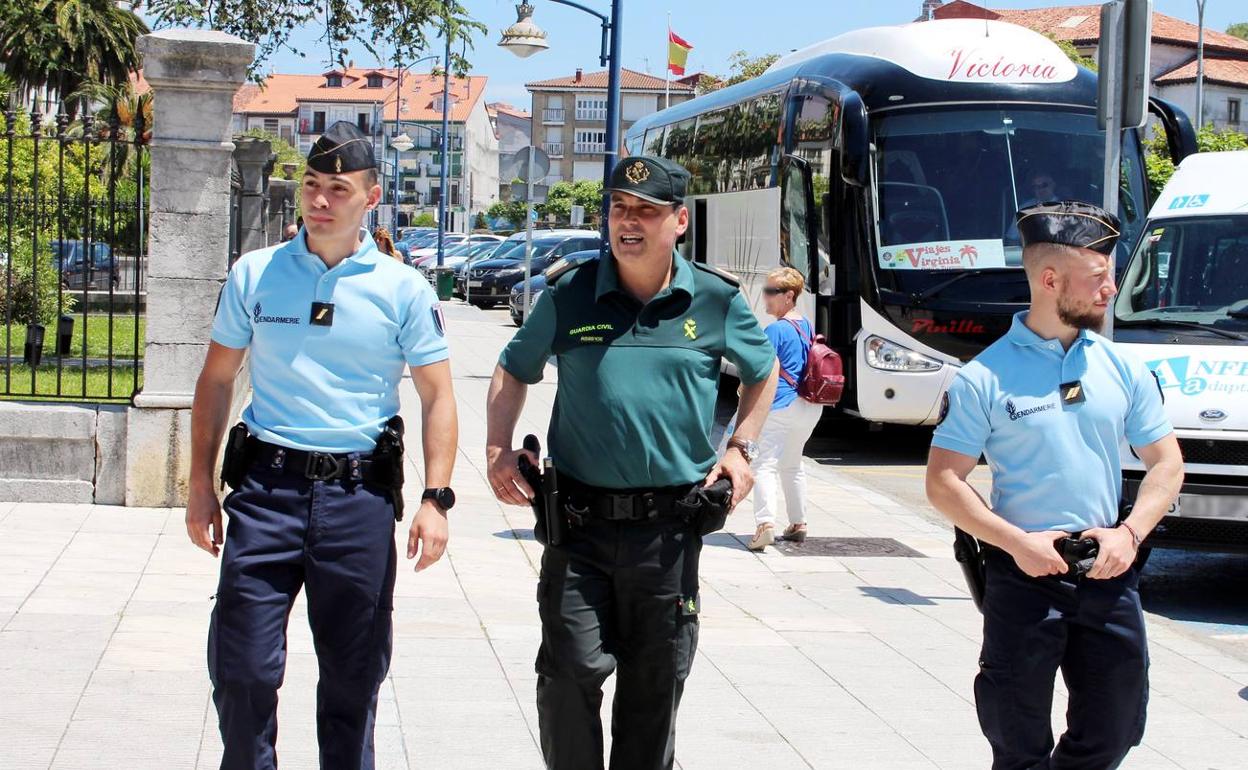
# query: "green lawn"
97 337
71 382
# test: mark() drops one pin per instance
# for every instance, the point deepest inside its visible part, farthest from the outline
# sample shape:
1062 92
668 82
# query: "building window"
361 121
270 125
591 108
318 122
1232 111
374 81
591 142
333 81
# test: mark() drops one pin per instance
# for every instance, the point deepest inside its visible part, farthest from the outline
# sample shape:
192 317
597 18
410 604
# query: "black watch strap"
443 496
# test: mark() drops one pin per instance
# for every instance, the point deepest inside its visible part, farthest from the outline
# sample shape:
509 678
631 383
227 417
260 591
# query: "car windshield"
948 185
460 250
1189 270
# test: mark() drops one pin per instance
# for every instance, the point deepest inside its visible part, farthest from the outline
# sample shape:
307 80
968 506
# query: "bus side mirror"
1180 137
855 141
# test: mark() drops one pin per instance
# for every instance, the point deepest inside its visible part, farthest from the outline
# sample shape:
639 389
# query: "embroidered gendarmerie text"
1017 414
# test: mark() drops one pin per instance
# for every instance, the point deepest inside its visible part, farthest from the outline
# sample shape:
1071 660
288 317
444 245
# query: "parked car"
458 255
515 242
537 284
405 233
488 282
430 246
78 271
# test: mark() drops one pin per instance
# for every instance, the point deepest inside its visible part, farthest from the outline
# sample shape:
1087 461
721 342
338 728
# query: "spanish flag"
677 52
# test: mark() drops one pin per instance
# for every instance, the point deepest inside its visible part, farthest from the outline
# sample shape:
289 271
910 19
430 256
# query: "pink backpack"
823 379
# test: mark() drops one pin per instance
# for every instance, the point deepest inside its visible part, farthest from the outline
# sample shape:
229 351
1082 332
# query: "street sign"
1123 63
519 165
520 192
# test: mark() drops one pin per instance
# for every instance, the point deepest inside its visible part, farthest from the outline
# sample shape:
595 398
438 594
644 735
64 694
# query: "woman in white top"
792 419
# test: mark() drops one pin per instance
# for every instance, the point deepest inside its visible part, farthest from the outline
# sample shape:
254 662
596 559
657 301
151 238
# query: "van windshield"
948 184
1193 270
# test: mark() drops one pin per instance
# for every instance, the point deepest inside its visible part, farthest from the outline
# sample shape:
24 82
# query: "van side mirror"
1180 136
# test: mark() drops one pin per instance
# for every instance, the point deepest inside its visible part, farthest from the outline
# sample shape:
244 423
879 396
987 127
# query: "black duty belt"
316 466
590 502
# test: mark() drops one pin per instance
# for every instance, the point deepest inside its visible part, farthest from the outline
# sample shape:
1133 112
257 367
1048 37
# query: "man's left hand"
733 465
430 531
1117 552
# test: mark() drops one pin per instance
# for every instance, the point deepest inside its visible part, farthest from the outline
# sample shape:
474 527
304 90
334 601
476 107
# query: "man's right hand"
1035 554
203 519
503 471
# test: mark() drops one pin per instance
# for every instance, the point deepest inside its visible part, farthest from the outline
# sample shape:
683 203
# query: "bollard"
33 353
64 334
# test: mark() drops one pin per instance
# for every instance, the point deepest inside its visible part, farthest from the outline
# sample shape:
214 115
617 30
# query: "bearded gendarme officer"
1049 405
639 336
330 323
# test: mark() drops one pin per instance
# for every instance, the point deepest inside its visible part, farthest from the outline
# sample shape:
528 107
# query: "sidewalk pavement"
804 662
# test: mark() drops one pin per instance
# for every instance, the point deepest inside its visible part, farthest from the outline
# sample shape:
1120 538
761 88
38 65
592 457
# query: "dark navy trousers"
336 539
1093 631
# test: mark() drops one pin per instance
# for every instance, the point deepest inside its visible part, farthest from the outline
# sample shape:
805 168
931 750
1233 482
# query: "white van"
1182 307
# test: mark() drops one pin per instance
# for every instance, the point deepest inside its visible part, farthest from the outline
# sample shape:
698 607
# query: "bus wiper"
1164 322
919 297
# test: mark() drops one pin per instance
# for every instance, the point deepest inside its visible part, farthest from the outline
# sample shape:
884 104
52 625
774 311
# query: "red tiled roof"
281 94
629 80
1230 72
507 109
1081 25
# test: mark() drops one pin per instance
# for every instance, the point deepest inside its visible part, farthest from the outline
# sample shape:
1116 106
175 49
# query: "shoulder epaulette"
560 267
724 274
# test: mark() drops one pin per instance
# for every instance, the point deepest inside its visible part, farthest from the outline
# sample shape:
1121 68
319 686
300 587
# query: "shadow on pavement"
1194 587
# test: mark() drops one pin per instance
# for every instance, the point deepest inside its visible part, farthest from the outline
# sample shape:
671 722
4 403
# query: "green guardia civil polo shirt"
637 383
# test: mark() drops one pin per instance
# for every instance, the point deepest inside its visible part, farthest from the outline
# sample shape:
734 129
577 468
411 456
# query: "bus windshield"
948 185
1189 270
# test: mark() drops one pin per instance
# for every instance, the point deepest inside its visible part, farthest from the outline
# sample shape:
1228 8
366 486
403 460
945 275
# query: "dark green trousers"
616 597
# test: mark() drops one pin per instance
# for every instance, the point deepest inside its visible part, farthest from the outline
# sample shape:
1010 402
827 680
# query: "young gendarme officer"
639 336
330 323
1049 404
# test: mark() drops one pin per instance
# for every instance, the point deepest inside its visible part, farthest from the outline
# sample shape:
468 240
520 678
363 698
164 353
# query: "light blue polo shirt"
1054 465
327 388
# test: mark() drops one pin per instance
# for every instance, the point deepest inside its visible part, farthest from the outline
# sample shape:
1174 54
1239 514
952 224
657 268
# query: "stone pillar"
255 158
193 74
281 207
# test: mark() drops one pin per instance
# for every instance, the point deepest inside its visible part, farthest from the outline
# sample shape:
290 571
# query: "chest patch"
1072 393
591 332
691 328
258 317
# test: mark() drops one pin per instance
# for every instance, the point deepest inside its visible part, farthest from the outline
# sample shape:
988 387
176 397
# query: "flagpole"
667 69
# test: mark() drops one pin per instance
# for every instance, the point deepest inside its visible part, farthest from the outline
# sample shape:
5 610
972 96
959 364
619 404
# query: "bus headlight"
891 357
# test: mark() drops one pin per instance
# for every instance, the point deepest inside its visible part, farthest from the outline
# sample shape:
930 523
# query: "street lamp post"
400 143
446 146
524 38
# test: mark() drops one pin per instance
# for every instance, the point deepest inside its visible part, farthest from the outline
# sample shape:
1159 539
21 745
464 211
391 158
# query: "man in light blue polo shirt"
330 323
1049 405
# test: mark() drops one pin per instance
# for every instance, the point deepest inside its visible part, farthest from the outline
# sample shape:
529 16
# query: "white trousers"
779 461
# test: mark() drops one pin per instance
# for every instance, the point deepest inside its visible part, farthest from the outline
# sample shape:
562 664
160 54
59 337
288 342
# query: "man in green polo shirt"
639 336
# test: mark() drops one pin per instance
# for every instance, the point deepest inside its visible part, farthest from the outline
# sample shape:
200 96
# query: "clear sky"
716 28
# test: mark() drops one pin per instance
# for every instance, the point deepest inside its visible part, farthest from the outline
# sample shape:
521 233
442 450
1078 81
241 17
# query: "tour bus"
1182 308
886 165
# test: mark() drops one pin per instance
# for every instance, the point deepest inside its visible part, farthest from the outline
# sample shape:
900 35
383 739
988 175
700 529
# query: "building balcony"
553 116
591 114
553 149
591 148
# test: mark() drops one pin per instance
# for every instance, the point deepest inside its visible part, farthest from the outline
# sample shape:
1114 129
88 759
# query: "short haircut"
788 279
370 177
1038 256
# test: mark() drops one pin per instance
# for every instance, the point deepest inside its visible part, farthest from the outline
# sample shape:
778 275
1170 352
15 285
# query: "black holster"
550 525
388 463
970 558
238 456
714 504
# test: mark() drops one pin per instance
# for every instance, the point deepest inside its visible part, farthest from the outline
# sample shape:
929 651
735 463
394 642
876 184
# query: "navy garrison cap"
657 180
341 149
1070 223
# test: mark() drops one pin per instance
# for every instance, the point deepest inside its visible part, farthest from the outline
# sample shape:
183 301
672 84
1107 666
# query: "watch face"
446 498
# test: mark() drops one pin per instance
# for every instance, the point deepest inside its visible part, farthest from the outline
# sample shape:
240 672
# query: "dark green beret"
341 149
1070 223
657 180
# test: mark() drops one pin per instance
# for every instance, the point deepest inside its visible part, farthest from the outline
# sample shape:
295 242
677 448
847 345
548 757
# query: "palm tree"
122 106
63 43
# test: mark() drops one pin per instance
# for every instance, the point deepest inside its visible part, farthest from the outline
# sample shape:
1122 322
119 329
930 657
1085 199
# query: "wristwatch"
443 496
747 447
